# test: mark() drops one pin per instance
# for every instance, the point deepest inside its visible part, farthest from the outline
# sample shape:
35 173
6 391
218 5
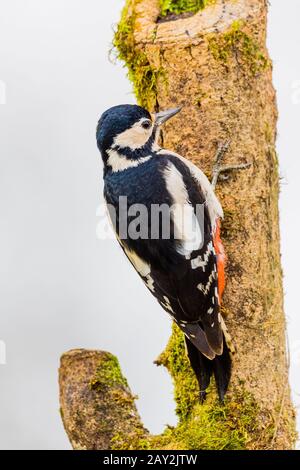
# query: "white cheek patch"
133 138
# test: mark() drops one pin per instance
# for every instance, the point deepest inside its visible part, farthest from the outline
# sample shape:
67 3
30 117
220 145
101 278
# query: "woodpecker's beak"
163 116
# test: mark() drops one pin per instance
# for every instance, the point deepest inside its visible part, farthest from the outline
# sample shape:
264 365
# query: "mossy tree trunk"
213 62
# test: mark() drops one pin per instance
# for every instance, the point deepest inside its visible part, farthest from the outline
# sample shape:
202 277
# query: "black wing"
185 286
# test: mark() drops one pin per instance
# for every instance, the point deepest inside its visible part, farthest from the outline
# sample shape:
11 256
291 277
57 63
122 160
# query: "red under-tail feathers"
221 260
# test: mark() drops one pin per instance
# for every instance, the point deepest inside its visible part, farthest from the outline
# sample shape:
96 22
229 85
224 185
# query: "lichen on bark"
237 41
215 63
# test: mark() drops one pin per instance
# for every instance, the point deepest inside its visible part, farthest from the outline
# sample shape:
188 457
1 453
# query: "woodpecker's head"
129 131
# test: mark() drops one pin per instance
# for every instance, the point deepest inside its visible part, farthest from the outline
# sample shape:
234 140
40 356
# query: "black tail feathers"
204 368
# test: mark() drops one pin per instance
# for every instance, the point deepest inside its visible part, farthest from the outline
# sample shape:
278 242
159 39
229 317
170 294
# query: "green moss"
237 43
211 425
134 441
176 7
186 387
235 424
108 373
141 73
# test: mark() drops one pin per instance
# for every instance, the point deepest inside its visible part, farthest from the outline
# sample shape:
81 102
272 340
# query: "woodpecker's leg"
219 169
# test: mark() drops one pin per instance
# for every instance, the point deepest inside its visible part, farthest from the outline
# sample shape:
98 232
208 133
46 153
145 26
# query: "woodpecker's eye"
146 124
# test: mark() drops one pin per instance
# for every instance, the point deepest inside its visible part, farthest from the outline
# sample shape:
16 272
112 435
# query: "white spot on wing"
150 283
205 287
216 293
166 304
201 261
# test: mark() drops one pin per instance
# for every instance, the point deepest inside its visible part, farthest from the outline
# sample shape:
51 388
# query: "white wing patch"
213 205
186 225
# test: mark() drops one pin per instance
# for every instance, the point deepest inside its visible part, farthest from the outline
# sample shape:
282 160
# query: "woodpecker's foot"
221 171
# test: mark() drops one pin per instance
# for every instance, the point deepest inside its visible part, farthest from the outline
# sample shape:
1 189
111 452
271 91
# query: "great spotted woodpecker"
186 275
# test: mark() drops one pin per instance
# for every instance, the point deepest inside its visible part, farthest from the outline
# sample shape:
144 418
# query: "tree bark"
216 65
97 406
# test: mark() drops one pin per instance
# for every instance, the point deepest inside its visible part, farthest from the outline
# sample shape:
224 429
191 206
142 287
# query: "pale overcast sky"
60 287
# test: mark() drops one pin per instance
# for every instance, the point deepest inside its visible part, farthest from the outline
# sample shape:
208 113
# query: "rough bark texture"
97 407
216 65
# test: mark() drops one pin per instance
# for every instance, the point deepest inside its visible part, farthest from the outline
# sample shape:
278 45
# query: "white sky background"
60 287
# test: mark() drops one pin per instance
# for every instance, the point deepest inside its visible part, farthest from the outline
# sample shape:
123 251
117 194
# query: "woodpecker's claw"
219 169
